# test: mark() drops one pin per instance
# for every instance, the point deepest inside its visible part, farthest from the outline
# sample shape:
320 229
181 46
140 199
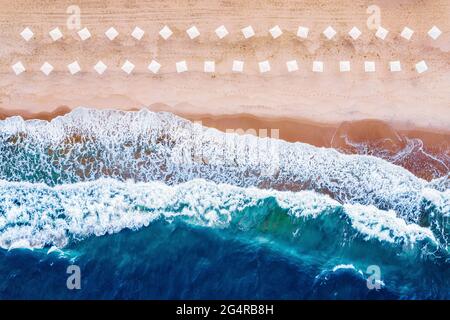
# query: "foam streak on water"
37 215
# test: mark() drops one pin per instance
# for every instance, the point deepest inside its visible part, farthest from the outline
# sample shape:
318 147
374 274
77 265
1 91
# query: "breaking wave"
90 144
37 215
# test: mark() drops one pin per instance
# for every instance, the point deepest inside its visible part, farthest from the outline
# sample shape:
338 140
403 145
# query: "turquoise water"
108 192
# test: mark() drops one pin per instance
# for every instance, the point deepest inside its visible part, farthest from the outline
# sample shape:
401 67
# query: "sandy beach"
320 169
303 105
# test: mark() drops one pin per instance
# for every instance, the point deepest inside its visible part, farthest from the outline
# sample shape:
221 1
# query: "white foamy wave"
37 215
343 267
89 144
439 200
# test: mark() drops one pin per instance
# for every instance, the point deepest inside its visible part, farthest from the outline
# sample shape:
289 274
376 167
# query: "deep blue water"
174 261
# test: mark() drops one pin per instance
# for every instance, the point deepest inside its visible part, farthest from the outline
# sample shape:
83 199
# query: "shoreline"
235 120
241 121
429 159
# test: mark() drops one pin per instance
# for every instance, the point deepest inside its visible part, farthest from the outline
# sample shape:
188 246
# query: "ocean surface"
151 206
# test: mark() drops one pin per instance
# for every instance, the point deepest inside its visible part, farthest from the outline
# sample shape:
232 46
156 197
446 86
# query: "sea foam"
37 215
89 144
